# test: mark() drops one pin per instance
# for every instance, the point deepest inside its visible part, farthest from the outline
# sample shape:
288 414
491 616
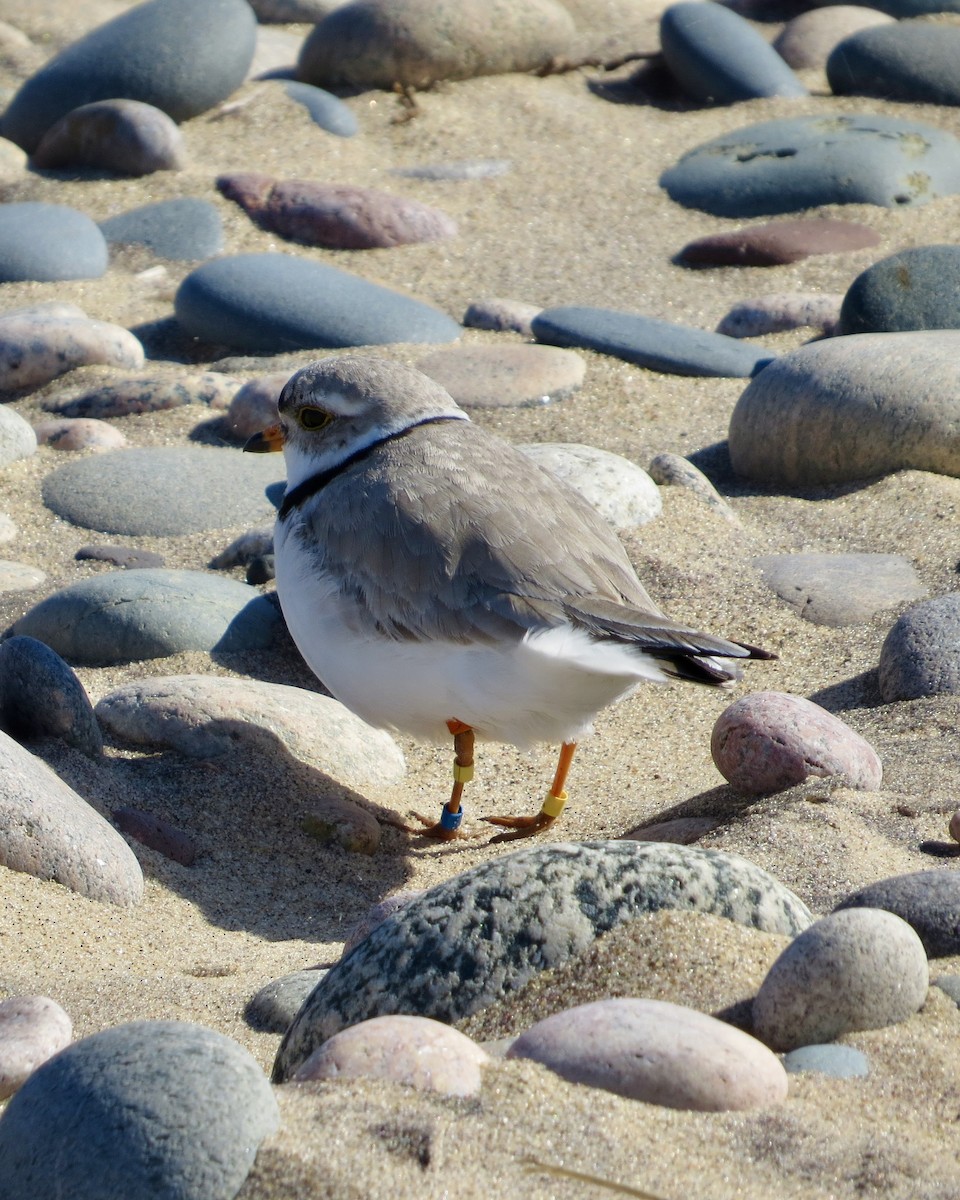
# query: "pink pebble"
32 1029
78 433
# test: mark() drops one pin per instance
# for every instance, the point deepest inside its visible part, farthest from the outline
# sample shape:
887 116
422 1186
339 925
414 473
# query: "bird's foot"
447 829
519 827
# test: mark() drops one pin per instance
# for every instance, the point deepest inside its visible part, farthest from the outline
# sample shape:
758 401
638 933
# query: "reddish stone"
777 242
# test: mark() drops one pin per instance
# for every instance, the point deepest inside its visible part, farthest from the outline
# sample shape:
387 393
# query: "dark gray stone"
803 162
917 288
161 1109
476 937
125 616
46 242
657 345
162 491
185 228
840 589
273 1008
269 303
913 61
921 654
833 1059
927 900
40 696
717 56
120 556
325 109
181 56
127 137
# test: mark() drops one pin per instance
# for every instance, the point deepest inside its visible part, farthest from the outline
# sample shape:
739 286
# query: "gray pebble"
19 577
79 433
41 696
273 1008
928 901
184 229
141 394
950 985
8 529
326 110
835 1061
37 348
127 137
157 834
681 831
620 491
128 557
805 42
32 1029
337 821
912 61
17 439
503 376
917 288
48 242
673 470
921 654
840 589
511 316
777 313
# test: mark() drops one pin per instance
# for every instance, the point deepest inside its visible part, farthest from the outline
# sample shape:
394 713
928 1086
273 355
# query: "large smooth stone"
41 696
46 242
920 655
483 934
913 61
181 56
803 162
918 288
620 491
150 1109
37 347
840 589
268 303
806 41
851 408
928 901
777 242
184 228
499 376
125 136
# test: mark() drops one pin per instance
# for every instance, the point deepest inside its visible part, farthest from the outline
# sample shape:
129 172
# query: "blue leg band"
450 820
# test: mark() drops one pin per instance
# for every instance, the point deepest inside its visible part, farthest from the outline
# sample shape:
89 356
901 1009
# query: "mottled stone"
775 243
124 136
17 439
278 1002
927 900
769 741
41 696
254 406
325 109
917 288
921 654
840 589
805 42
48 242
184 228
337 821
156 833
835 1061
779 312
37 348
673 470
121 556
376 914
79 433
32 1029
913 61
502 376
513 316
140 394
153 1108
19 577
476 937
857 969
623 493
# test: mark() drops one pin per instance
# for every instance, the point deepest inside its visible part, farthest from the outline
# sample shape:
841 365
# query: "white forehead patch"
338 403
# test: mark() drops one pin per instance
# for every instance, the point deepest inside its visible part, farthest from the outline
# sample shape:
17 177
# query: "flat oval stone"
914 61
254 406
804 162
145 393
778 312
268 303
836 1061
325 109
19 577
718 57
125 136
657 1052
41 696
207 46
47 242
777 242
162 491
204 716
927 900
623 493
32 1029
805 42
502 376
920 655
769 741
917 288
17 439
79 433
375 43
856 969
37 348
474 938
125 616
840 589
120 556
278 1002
657 345
157 834
501 315
185 228
851 408
48 831
153 1108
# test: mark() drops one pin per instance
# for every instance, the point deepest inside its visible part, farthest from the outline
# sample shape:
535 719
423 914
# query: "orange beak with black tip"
267 441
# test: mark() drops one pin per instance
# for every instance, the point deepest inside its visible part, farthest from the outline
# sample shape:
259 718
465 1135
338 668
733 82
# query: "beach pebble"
37 348
251 545
840 589
254 406
125 616
955 826
267 303
682 831
622 493
32 1029
769 741
162 491
204 716
912 61
124 136
834 1060
121 556
673 470
157 834
337 821
149 1109
803 162
779 312
184 228
207 46
921 654
142 394
657 345
338 216
17 439
927 900
19 577
482 934
325 109
502 376
273 1008
851 408
415 1051
79 433
805 42
857 969
48 831
288 12
512 316
657 1052
376 914
457 170
261 570
47 242
40 696
917 288
777 242
8 529
377 43
718 57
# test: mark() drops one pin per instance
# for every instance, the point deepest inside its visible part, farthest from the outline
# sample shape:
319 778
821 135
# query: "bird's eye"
314 418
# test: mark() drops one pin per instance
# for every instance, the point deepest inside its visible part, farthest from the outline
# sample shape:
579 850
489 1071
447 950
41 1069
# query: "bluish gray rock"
326 110
913 61
40 696
161 491
928 901
181 56
267 303
803 162
836 1060
124 616
717 56
185 228
46 242
657 345
840 589
920 655
917 288
476 937
150 1109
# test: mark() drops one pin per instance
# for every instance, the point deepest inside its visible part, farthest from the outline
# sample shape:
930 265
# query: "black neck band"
315 483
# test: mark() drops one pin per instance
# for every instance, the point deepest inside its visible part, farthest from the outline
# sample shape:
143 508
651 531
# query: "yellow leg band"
462 774
553 805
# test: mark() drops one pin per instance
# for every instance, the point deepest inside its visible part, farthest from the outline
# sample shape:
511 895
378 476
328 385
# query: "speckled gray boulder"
929 901
127 137
47 242
914 61
185 228
377 43
500 376
150 1109
857 969
623 493
40 696
851 408
482 934
921 654
799 163
47 830
124 616
840 589
17 439
918 288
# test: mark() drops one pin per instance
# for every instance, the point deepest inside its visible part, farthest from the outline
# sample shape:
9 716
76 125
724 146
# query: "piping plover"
438 582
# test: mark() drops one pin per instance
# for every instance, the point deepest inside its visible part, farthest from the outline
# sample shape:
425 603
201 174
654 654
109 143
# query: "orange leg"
447 828
553 803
